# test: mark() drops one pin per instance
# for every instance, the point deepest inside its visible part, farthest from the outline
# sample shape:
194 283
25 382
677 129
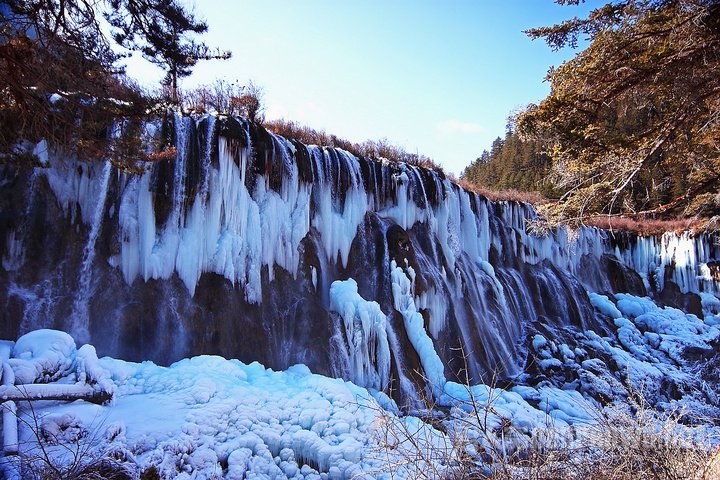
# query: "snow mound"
43 356
207 416
90 372
667 329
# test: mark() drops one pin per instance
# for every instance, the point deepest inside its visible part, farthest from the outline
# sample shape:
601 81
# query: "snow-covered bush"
64 447
625 441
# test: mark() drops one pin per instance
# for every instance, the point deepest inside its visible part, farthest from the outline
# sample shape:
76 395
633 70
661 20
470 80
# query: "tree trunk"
53 391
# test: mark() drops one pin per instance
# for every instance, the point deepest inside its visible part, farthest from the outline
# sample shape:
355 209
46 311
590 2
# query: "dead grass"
510 195
377 149
226 98
628 441
644 226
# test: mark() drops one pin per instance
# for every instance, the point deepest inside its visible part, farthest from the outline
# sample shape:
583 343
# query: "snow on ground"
208 417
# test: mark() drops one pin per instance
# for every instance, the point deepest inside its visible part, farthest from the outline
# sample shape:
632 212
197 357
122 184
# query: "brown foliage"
510 195
52 89
226 98
168 154
644 226
378 149
634 116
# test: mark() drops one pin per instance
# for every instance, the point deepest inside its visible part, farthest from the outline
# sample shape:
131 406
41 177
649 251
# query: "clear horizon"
436 78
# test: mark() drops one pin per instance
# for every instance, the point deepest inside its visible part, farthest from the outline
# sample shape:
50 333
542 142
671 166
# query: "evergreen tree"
162 31
512 164
60 78
634 119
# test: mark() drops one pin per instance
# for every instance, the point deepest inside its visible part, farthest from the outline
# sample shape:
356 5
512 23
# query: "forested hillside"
512 164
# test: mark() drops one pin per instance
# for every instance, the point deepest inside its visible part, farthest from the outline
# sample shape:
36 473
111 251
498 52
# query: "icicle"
365 329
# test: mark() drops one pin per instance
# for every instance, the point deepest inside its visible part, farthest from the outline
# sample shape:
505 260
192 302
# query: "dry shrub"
226 98
304 134
643 226
631 441
250 103
640 443
66 450
377 149
511 195
418 450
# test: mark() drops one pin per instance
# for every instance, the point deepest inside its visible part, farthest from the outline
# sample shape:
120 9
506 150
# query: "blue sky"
435 76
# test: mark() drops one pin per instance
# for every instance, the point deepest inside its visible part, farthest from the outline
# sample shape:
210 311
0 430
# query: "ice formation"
253 246
365 326
230 229
402 290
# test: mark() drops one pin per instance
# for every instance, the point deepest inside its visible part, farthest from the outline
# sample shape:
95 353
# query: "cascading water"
233 247
15 255
38 299
405 385
79 320
38 303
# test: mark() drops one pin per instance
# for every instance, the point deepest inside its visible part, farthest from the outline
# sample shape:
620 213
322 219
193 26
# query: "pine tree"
634 119
59 80
162 31
511 164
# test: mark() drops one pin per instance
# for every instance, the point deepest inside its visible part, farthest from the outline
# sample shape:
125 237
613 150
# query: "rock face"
232 249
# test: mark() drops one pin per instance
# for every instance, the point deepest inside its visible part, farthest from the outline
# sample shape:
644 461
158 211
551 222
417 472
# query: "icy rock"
632 306
604 305
538 342
710 303
550 363
566 405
